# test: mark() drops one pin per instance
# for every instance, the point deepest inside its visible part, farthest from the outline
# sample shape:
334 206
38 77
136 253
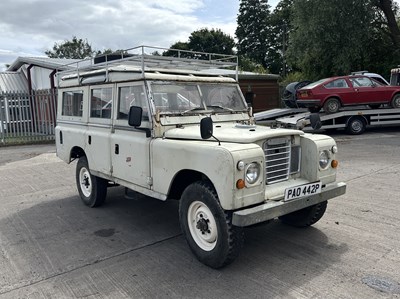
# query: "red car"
333 93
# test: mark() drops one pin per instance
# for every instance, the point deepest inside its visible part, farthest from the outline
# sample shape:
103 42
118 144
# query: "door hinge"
149 181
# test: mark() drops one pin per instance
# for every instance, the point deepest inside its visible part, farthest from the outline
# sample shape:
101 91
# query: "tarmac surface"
52 246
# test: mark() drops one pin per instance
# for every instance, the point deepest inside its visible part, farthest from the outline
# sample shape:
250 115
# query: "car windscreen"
171 97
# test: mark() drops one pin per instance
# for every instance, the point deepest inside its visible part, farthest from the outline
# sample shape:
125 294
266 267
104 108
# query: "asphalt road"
52 246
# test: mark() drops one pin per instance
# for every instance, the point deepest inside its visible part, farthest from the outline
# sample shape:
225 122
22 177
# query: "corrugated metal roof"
13 81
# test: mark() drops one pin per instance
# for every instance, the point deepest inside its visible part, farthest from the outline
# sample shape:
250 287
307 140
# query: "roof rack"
147 58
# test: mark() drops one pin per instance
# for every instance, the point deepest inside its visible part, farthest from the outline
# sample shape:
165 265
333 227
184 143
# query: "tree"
204 40
74 49
281 26
254 31
388 8
330 37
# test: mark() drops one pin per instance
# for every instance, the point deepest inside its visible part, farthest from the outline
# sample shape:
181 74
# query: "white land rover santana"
165 127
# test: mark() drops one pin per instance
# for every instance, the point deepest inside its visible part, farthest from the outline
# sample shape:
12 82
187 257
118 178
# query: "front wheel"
207 227
395 103
92 189
305 217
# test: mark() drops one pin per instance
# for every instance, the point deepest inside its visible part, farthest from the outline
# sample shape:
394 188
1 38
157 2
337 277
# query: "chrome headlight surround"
252 174
324 159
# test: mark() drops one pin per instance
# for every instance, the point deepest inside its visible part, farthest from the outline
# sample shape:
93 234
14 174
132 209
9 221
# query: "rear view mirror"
206 127
135 116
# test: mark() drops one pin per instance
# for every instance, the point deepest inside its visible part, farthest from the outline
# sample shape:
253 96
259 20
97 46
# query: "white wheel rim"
202 225
85 182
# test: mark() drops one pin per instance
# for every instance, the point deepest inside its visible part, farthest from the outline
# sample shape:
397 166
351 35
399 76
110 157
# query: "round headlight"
324 159
334 149
252 172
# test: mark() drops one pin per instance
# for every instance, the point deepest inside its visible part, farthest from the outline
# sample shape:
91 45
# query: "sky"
30 27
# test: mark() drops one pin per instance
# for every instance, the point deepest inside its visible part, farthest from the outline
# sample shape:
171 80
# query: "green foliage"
281 26
293 77
204 40
336 37
74 49
254 30
246 64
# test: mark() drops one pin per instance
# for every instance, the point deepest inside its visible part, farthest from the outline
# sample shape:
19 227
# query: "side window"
72 103
361 82
101 102
339 83
131 96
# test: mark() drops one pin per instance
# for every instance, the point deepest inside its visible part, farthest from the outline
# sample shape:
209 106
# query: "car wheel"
92 189
207 227
331 105
356 126
305 217
395 103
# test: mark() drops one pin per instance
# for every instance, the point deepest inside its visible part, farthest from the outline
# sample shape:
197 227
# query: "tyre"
356 126
331 105
92 189
305 217
395 103
207 227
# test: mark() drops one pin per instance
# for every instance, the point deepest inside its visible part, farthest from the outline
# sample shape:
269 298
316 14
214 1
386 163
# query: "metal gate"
27 118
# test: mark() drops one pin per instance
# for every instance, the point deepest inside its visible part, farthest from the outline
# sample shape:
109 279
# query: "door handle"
116 149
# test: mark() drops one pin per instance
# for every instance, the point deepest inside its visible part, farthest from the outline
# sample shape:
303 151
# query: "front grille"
278 156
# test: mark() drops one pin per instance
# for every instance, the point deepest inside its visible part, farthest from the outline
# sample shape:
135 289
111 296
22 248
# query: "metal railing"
27 118
149 57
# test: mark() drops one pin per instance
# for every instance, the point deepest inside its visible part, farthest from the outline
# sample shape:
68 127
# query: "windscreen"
190 97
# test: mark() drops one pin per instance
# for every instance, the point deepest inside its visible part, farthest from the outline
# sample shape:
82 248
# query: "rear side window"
72 103
101 103
339 83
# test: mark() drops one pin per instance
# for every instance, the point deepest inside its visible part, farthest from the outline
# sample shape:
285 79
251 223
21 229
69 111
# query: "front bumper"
274 209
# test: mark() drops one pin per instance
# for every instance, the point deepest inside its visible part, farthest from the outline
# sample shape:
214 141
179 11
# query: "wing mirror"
206 127
135 116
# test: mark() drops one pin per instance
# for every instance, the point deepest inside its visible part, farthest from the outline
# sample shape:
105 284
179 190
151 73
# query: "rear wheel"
331 105
356 126
92 189
207 227
305 217
395 103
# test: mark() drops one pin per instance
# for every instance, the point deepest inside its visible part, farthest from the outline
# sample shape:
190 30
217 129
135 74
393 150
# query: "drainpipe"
53 104
30 89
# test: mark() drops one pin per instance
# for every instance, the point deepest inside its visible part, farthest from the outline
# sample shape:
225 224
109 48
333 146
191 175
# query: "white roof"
13 82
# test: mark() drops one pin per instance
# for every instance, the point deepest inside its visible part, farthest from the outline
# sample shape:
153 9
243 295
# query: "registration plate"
302 191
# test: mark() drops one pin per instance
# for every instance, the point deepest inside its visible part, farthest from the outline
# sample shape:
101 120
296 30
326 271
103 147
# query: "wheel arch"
76 152
184 178
335 96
